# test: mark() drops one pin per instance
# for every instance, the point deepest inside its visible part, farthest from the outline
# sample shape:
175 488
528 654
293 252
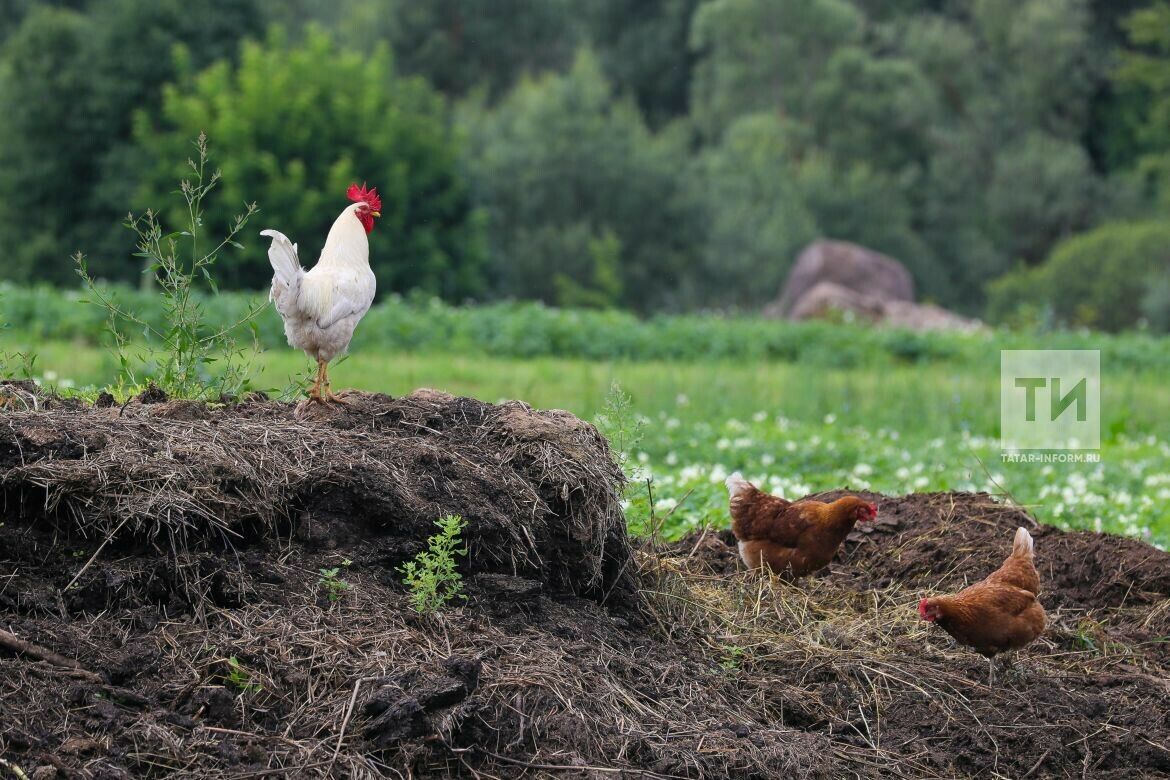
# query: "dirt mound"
538 489
845 649
163 612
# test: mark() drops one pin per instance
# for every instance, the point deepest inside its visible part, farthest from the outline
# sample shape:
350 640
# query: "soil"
162 565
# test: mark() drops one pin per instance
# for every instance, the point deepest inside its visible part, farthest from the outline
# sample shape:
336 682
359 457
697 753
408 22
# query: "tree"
643 47
42 84
12 12
757 55
290 128
458 45
571 178
1057 199
1144 73
1101 279
874 110
70 83
757 218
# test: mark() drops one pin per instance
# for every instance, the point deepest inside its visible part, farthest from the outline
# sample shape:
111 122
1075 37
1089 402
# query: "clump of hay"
539 490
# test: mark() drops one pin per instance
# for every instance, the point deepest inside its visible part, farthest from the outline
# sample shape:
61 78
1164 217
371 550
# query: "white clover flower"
790 445
723 443
767 459
718 473
830 418
863 469
760 417
681 399
671 459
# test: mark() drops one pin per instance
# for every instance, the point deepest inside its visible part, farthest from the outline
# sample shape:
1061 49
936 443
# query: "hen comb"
362 195
922 609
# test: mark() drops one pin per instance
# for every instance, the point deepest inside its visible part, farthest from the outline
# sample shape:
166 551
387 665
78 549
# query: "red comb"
361 194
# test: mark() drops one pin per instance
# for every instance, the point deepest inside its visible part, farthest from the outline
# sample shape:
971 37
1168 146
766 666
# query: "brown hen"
791 538
997 614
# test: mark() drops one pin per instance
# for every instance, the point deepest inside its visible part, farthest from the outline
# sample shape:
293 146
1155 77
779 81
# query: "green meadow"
878 422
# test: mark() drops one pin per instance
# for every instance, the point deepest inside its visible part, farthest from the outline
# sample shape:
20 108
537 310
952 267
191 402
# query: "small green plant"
179 354
16 365
621 425
240 678
335 587
432 577
733 656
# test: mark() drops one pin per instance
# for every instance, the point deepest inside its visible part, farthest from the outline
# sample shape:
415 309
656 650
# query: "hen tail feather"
1023 544
736 484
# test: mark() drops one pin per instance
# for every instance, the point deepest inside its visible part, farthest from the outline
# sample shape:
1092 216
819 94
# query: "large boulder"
827 298
847 265
831 278
925 316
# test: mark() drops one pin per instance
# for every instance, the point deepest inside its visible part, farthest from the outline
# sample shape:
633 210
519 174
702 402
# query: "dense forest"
644 154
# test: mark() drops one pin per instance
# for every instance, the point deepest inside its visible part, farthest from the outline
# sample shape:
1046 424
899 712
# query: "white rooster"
321 307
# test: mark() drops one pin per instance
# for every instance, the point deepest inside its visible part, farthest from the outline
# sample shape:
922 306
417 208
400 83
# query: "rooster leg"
991 672
327 394
315 388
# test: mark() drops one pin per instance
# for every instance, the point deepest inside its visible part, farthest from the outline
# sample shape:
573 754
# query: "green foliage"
180 354
334 586
620 425
568 172
532 331
341 117
1058 200
432 576
15 364
643 46
69 82
876 111
240 677
1099 279
757 216
1144 74
1156 302
758 55
679 166
461 44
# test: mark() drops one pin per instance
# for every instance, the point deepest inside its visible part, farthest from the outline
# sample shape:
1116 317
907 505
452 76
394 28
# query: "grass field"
794 429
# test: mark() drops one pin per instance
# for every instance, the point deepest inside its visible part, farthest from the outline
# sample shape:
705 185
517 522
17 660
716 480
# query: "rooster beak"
375 213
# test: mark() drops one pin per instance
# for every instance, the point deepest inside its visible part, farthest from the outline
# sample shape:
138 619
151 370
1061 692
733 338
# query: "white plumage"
322 307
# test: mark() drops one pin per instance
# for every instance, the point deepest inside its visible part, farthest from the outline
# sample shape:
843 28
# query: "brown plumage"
791 538
998 614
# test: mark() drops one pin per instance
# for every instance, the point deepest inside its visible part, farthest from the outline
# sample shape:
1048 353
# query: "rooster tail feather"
1023 544
283 256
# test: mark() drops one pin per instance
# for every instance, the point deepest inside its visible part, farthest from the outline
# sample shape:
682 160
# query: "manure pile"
162 615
